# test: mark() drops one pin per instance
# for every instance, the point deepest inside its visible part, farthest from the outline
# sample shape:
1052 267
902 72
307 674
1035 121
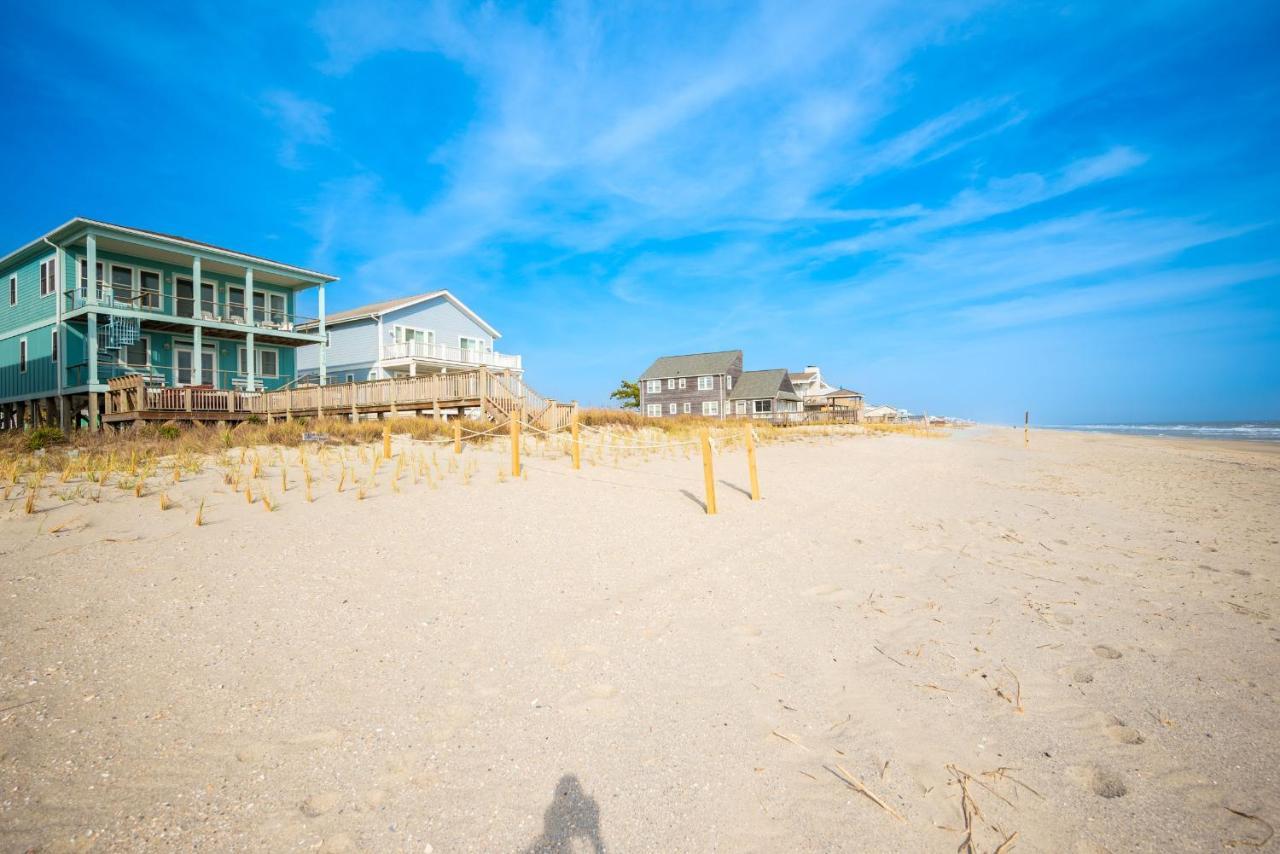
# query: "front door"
183 364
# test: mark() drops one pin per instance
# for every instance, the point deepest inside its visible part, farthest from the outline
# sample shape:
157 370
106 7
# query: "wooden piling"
1026 428
751 462
457 437
577 442
708 475
515 444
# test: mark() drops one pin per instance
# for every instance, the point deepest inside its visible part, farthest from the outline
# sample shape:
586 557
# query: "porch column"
91 269
195 286
91 341
197 377
323 362
250 317
249 361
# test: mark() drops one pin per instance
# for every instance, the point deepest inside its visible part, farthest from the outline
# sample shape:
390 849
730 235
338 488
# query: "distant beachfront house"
765 394
810 385
406 336
695 384
192 325
820 396
881 414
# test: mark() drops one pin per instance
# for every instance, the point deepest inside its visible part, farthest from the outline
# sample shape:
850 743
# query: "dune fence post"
457 437
708 475
577 441
751 462
515 443
1026 428
386 440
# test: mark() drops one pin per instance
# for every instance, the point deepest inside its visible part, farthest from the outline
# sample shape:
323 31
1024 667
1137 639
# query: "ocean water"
1253 431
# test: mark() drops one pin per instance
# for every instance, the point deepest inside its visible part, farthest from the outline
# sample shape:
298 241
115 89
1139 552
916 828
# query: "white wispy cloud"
302 122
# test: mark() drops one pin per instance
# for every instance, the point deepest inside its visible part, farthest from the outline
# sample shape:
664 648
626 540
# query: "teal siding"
40 377
31 307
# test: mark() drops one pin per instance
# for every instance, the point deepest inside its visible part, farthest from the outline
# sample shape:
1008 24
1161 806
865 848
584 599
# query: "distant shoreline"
1233 432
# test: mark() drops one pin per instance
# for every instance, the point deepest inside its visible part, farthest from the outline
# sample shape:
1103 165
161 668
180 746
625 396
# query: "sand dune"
1075 643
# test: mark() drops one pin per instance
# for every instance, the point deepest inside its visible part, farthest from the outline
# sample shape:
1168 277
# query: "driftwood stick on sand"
853 783
1250 843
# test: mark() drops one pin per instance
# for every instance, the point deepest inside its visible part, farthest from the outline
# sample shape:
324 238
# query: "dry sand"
585 659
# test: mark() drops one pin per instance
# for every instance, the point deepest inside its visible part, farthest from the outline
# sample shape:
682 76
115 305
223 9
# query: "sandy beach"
1070 647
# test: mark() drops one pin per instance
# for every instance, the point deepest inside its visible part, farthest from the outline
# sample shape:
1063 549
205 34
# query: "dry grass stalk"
30 506
343 479
164 502
853 783
200 514
1250 843
248 493
789 739
1007 845
137 488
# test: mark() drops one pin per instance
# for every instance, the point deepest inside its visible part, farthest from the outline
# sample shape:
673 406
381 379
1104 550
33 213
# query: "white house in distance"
810 385
405 336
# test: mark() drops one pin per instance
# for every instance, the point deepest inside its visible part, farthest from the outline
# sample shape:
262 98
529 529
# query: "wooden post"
186 398
1026 428
751 462
515 444
93 412
708 475
386 440
457 437
577 443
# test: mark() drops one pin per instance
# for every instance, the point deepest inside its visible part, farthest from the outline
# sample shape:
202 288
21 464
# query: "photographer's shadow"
571 824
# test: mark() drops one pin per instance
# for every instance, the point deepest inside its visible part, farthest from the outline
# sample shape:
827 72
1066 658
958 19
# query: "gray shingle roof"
692 365
759 385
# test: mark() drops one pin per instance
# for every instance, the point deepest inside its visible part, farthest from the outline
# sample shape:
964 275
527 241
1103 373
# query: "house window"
671 383
84 278
351 378
671 408
53 345
742 407
762 406
149 288
22 356
137 354
209 300
653 386
653 410
235 304
121 283
269 308
728 383
681 383
710 407
417 339
687 407
13 290
266 362
704 384
48 277
469 349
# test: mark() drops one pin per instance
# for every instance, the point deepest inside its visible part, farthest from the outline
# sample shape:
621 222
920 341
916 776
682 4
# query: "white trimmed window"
653 386
704 384
681 382
687 407
762 406
413 335
671 409
13 290
48 277
266 362
742 407
710 407
653 410
22 355
351 378
728 383
671 383
53 345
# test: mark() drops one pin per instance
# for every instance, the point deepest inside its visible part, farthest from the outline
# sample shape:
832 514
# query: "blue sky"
969 208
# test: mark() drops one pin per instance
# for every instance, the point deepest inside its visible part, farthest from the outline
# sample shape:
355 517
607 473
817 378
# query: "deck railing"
171 306
449 353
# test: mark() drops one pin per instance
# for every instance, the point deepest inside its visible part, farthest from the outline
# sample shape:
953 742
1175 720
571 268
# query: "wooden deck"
496 394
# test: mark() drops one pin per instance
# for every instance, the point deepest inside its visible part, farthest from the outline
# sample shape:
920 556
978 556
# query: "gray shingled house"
765 394
696 384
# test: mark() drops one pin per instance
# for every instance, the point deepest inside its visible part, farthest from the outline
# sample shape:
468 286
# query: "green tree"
628 393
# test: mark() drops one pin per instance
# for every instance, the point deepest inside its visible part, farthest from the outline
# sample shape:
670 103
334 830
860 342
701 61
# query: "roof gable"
694 364
761 385
374 309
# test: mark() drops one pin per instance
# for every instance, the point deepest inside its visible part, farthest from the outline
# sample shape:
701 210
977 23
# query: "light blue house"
406 336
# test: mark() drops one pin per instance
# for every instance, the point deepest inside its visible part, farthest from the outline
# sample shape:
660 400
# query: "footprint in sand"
318 804
1101 781
747 631
1108 652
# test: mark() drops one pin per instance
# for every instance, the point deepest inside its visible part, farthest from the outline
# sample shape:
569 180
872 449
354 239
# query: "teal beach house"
91 302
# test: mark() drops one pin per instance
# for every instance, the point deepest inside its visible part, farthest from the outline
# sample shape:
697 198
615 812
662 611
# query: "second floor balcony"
269 311
447 354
